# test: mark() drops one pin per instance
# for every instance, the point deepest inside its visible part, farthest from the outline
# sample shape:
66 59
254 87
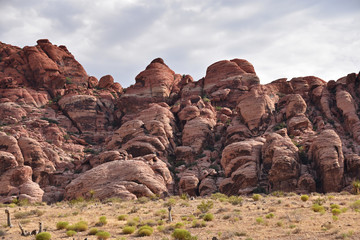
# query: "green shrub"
204 207
78 227
61 225
184 196
196 224
102 221
279 126
270 215
256 197
71 233
43 236
170 203
93 231
304 198
128 229
336 211
318 208
356 186
142 200
333 206
102 235
208 217
49 120
145 231
277 193
319 201
355 205
122 217
259 220
179 225
235 200
182 234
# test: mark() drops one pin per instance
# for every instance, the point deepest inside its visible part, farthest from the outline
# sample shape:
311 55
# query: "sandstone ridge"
65 134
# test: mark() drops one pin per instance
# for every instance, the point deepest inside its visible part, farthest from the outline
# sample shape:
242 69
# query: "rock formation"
64 134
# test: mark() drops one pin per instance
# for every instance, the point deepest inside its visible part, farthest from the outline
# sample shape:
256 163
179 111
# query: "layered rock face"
65 134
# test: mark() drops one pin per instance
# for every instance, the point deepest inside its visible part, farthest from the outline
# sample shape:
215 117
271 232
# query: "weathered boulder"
35 157
281 161
10 144
16 183
127 179
240 161
257 99
326 153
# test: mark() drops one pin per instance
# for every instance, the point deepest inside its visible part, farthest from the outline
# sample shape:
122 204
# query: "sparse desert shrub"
161 213
102 235
235 200
142 200
204 207
196 224
336 211
279 224
71 233
279 126
179 225
182 234
102 221
78 227
277 193
319 201
333 206
122 217
304 198
36 212
356 186
318 208
208 217
256 197
43 236
61 225
170 202
160 228
93 231
145 231
219 196
259 220
128 229
270 215
184 196
355 205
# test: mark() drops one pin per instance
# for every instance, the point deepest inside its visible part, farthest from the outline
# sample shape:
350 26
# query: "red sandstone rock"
64 121
326 152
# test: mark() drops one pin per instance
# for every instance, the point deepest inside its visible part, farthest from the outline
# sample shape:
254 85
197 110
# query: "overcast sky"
281 38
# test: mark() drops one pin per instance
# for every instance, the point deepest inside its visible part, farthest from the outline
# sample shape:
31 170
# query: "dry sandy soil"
291 218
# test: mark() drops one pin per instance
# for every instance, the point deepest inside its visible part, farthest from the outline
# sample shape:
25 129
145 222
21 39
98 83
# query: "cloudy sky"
281 38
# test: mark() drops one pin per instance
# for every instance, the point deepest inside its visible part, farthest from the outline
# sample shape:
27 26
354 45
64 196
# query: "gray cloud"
281 38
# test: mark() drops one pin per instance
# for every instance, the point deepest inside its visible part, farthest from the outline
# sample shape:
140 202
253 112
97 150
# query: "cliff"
65 134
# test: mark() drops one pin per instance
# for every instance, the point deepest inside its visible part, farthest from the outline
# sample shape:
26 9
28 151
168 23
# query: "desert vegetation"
274 216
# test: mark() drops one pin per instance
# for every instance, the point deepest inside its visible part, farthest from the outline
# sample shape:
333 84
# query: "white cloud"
281 38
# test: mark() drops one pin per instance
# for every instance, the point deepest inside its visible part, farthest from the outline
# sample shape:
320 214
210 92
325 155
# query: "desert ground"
274 216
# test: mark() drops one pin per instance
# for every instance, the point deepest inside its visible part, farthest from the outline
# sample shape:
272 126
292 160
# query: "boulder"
126 179
326 153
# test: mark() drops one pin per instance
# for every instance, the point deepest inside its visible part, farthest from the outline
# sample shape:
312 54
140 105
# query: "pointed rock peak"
158 60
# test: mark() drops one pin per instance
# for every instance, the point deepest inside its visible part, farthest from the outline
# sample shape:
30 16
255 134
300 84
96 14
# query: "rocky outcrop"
241 162
143 176
64 133
281 162
326 153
